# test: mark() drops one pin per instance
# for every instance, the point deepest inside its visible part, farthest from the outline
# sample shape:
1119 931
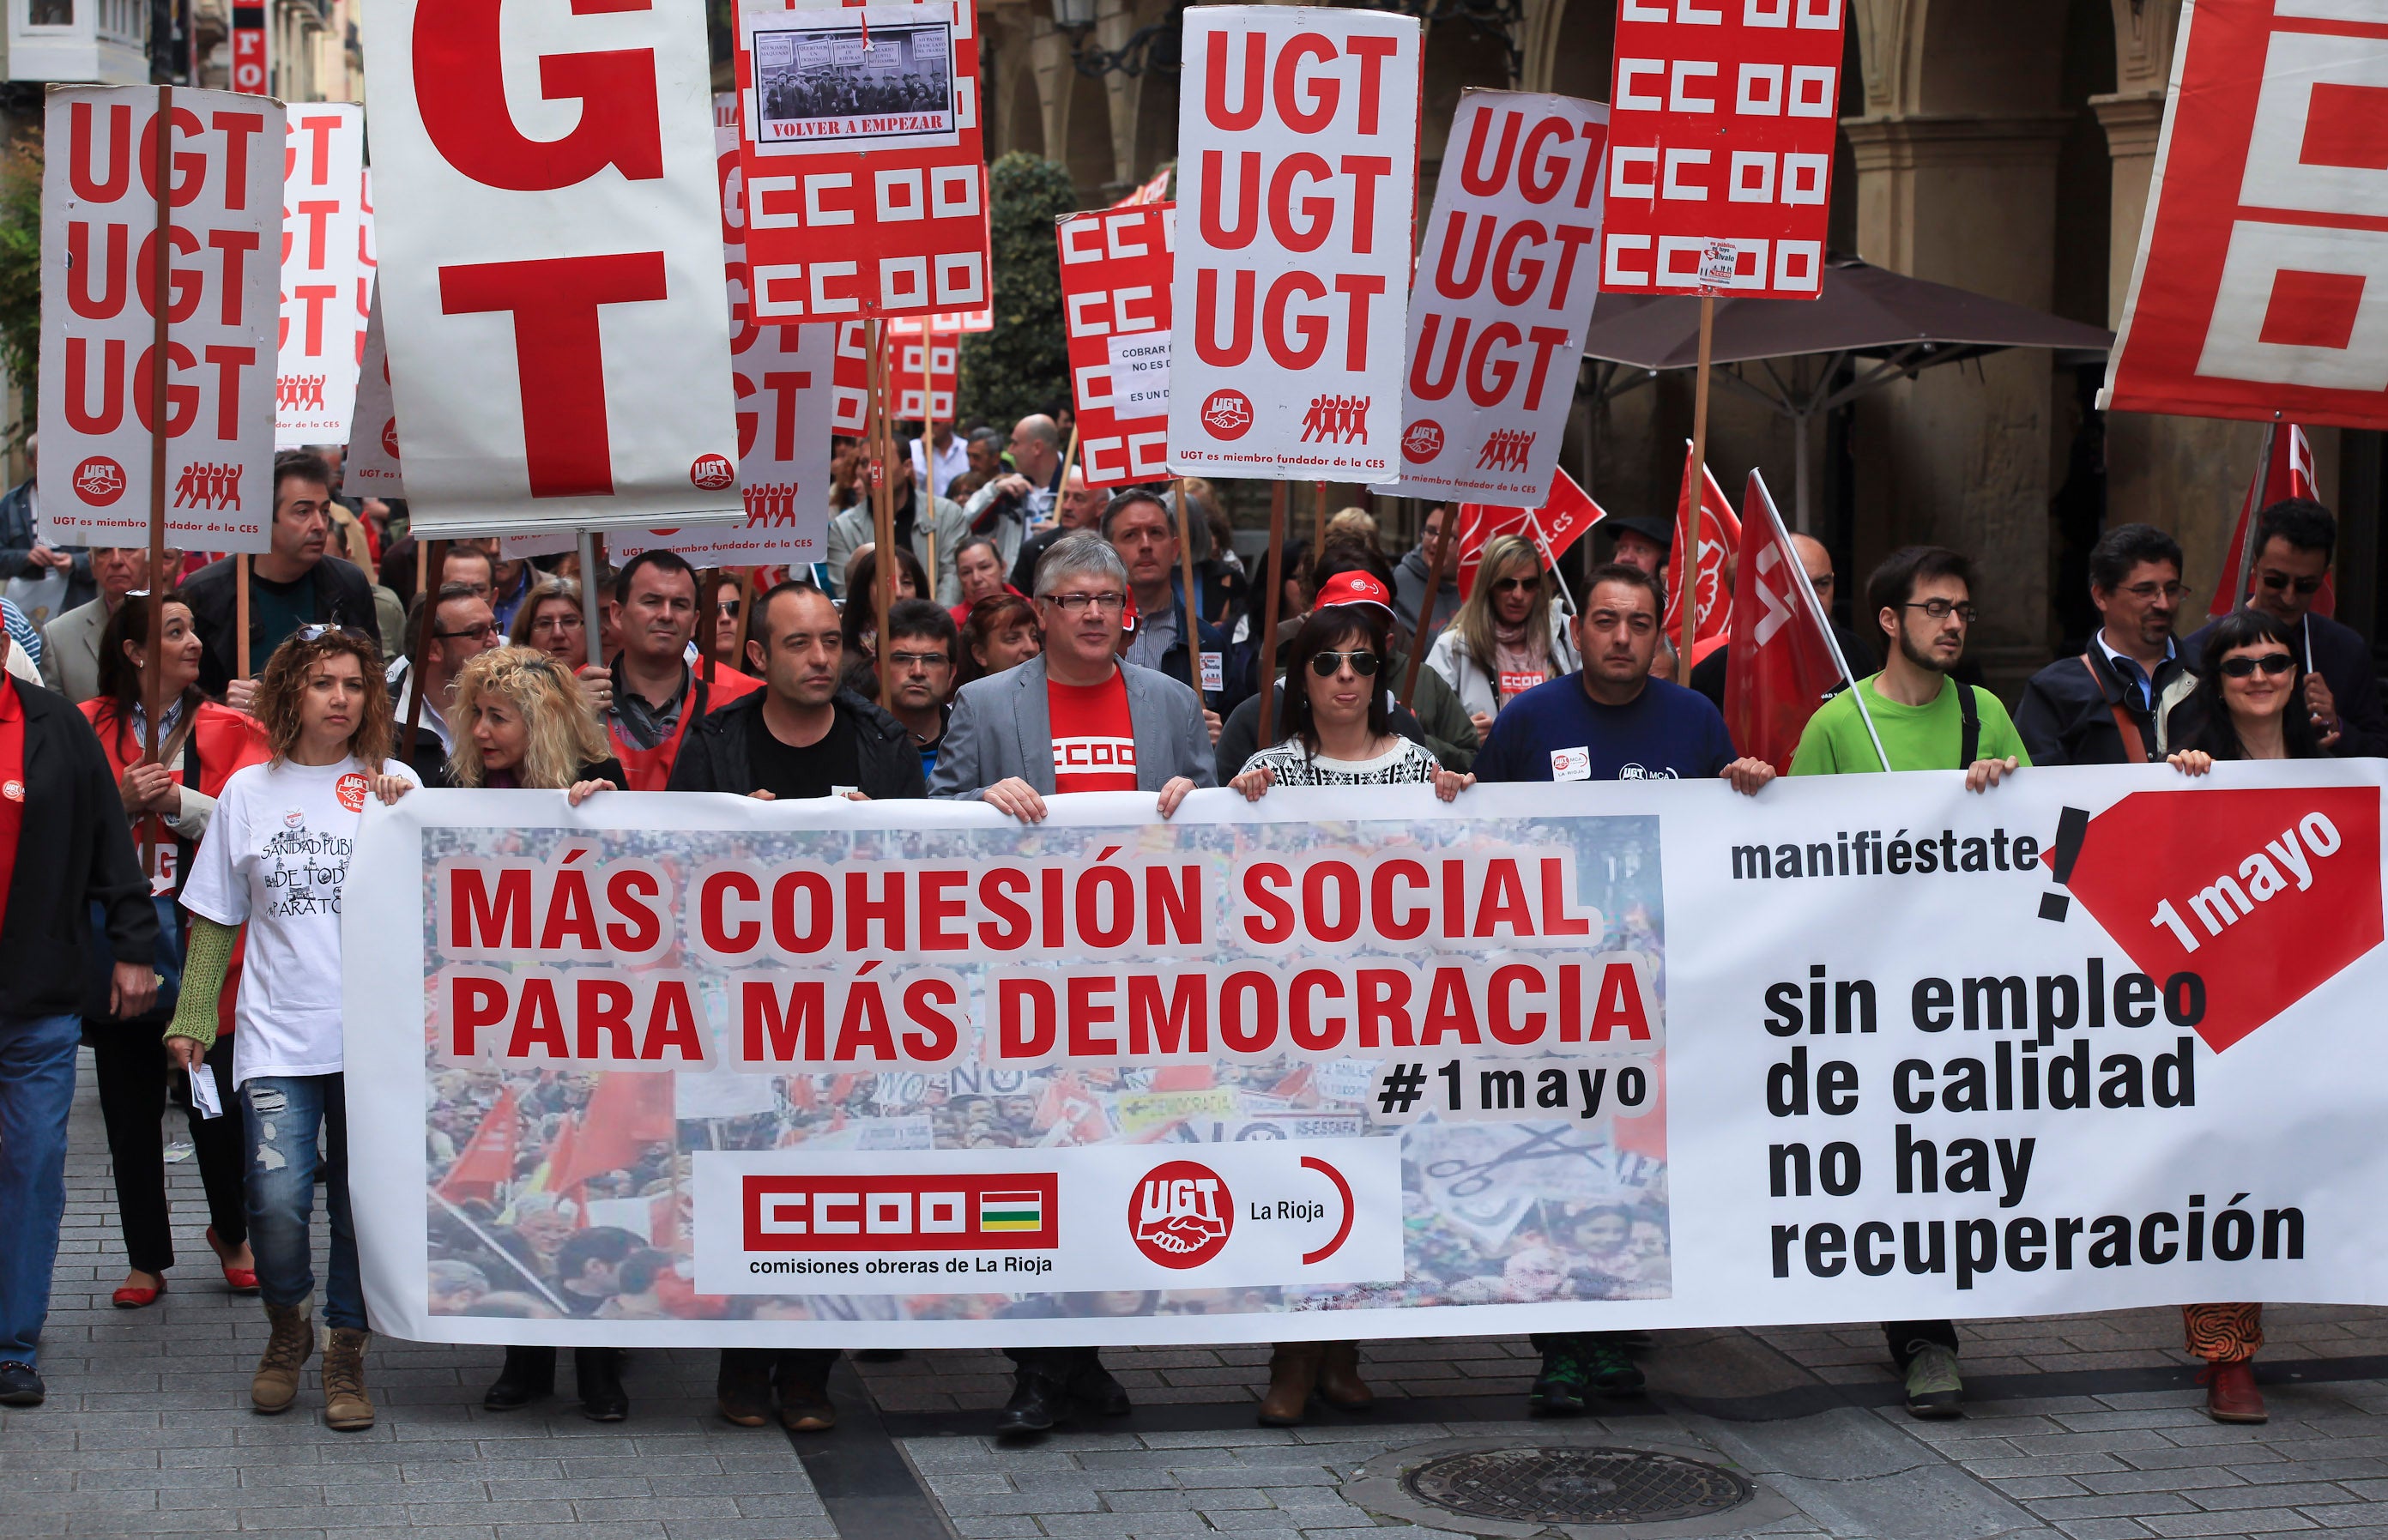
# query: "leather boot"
2231 1395
1094 1386
1339 1384
530 1376
276 1382
598 1371
1036 1403
802 1377
1293 1373
743 1388
346 1408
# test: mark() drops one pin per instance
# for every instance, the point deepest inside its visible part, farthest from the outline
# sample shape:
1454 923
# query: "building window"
50 13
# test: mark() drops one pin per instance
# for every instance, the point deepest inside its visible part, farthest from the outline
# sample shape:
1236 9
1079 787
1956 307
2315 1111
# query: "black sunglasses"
2244 666
1325 664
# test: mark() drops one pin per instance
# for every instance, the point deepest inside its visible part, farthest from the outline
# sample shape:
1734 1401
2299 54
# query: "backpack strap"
2135 743
1969 746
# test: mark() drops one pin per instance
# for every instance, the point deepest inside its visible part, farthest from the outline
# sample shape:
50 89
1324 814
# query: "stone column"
1959 456
1048 57
1114 21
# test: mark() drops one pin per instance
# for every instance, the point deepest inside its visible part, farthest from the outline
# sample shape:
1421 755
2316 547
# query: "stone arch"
1088 138
1024 121
1156 124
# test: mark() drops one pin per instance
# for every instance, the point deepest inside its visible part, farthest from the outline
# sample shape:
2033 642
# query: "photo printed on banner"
830 80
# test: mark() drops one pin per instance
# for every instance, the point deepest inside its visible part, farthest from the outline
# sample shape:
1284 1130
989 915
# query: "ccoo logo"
99 480
712 472
1180 1215
1423 442
1228 413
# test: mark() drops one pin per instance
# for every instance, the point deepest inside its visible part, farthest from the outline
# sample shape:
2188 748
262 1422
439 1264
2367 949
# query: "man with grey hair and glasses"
1074 719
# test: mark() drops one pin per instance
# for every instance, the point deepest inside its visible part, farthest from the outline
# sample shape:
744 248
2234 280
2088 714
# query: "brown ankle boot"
1339 1384
276 1383
1293 1373
2231 1394
346 1408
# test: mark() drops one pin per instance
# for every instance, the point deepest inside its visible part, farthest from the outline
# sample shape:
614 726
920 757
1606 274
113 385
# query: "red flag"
487 1162
628 1111
1783 661
1555 526
1720 538
2290 474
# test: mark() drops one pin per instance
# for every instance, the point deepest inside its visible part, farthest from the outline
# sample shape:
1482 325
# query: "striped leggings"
2223 1333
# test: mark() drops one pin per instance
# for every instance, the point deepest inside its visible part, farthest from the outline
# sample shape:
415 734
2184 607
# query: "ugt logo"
1227 414
1337 420
1423 442
1506 449
1180 1215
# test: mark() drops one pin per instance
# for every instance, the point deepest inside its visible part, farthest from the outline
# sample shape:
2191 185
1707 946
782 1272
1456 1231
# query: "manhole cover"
1576 1487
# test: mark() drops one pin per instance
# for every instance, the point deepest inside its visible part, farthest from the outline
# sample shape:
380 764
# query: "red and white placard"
1720 133
850 380
2263 266
324 249
558 344
251 68
921 377
866 186
371 466
99 240
942 323
1503 292
1115 297
1297 134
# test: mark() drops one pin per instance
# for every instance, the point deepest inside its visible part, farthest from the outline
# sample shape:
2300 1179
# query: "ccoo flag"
1783 660
2288 472
1720 538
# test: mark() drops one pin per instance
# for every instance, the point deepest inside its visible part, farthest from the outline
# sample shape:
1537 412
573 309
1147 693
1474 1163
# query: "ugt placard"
326 269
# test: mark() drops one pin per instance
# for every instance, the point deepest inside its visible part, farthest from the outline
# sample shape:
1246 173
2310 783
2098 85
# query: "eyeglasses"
2143 592
1940 609
1074 603
571 621
919 660
2244 666
2303 587
1363 663
481 632
1511 585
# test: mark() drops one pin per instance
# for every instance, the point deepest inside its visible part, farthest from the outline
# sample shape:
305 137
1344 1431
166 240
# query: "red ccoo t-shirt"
1093 743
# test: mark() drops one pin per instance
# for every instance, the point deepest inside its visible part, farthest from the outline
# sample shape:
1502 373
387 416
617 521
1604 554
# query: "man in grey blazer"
71 641
1074 719
1118 726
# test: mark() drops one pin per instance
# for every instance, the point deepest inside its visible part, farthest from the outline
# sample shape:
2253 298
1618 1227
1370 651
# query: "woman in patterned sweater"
1337 733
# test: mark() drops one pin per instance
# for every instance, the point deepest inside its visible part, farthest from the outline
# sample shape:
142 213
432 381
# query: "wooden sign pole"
1193 609
883 512
1268 612
1691 574
1442 550
430 598
153 687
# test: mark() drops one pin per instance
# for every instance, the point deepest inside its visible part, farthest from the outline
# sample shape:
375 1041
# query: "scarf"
1514 652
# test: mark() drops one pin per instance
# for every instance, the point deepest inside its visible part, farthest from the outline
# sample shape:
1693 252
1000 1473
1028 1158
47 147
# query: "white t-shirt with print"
274 860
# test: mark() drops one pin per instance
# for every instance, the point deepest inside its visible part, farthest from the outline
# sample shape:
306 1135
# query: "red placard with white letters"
1720 131
559 346
2267 222
99 240
864 162
1115 277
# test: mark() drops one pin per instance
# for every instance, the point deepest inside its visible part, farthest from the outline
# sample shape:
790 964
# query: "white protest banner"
99 245
1297 135
1604 1055
1720 136
324 278
371 464
552 302
1115 295
866 182
1505 290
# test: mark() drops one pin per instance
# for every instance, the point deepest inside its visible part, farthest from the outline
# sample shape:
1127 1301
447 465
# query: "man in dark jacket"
2293 541
1143 531
294 584
2128 697
64 847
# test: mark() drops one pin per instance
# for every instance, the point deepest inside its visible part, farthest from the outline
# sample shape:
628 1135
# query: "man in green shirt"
1911 716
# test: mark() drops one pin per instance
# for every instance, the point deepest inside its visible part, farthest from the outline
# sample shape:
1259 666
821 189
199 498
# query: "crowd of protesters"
1042 641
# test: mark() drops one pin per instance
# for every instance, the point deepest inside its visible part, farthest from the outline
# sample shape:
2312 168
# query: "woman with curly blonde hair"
522 722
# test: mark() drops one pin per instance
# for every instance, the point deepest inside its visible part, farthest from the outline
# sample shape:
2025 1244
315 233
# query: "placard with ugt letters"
1503 291
1115 293
371 464
2260 267
99 245
866 182
1328 1067
1297 134
1722 120
551 298
325 244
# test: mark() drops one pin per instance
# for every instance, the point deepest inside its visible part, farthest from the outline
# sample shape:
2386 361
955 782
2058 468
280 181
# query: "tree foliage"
1023 365
21 261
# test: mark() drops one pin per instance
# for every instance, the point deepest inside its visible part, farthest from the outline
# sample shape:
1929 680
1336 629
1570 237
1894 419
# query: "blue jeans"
37 1076
281 1115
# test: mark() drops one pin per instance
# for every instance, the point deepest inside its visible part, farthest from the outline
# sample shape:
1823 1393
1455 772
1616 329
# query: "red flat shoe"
131 1298
240 1280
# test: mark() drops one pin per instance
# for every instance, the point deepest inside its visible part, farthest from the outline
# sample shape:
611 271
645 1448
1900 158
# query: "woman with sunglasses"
274 860
1507 637
1339 733
2248 685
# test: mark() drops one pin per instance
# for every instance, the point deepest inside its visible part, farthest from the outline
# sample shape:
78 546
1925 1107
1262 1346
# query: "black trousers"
134 1085
810 1365
1898 1334
1059 1365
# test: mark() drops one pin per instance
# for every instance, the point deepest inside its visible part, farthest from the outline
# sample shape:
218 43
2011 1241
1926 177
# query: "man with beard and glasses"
2129 697
1921 600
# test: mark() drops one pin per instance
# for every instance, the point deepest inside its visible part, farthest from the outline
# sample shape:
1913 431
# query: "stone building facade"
2004 148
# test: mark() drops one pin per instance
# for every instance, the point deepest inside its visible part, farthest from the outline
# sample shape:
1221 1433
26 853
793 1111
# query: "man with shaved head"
1709 677
1007 508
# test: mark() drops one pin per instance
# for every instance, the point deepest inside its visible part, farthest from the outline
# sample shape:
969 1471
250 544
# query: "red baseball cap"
1356 588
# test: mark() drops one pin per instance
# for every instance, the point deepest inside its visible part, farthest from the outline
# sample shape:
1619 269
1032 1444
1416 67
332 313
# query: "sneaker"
1558 1390
20 1385
1934 1388
1607 1370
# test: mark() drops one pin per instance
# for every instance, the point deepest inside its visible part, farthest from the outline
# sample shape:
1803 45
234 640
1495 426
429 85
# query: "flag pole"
429 599
2254 507
1318 522
1433 595
710 608
153 681
1543 544
1268 613
239 609
1193 608
882 510
1690 577
591 622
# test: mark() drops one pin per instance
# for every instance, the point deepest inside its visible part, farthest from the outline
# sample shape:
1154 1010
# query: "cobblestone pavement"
2080 1426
